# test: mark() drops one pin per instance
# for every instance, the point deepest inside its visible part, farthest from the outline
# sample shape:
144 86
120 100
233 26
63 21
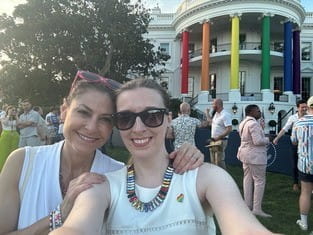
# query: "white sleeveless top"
8 125
39 184
171 217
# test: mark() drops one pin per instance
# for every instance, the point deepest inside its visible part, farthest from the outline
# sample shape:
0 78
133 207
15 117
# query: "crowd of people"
80 190
25 125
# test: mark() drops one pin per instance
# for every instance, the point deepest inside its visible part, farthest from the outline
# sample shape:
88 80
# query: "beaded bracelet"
55 218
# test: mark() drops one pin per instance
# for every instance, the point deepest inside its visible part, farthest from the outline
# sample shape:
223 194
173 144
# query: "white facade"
165 31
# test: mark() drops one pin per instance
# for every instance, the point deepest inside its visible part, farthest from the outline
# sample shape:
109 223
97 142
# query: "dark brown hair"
146 83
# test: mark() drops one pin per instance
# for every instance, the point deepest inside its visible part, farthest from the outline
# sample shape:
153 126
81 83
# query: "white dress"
172 217
39 184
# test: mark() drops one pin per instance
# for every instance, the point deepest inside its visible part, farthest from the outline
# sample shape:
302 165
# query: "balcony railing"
275 46
222 96
252 97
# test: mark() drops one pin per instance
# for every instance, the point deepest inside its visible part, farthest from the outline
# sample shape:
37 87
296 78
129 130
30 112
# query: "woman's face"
141 140
87 124
12 112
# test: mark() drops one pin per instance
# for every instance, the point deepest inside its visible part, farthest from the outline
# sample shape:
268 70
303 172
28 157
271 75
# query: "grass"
279 199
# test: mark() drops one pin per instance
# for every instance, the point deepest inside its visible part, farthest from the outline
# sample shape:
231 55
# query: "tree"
46 41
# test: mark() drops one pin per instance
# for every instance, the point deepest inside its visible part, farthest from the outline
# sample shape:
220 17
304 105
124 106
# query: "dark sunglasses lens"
90 76
124 120
113 85
153 117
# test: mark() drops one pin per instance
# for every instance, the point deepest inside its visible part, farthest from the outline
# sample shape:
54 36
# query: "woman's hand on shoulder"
187 157
87 214
77 186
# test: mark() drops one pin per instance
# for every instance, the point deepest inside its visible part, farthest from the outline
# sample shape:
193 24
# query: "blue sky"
171 5
7 6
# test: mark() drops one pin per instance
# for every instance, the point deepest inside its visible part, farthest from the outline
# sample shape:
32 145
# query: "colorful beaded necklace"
157 200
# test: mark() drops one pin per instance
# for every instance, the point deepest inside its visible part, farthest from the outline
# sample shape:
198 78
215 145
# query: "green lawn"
279 199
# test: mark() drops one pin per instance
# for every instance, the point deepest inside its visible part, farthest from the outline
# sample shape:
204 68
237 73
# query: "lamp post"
271 108
234 108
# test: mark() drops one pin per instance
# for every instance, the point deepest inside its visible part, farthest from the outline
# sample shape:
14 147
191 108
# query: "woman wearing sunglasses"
147 197
38 185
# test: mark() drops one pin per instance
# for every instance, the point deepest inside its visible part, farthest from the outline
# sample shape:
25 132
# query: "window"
165 48
242 41
278 84
306 50
191 87
278 46
305 89
191 47
242 82
212 88
191 50
213 45
278 87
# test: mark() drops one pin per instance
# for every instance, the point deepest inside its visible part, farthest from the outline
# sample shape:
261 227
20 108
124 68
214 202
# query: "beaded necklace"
157 200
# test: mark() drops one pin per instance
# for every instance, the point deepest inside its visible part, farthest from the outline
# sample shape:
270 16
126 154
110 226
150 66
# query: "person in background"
169 138
27 125
2 114
2 111
61 123
184 127
302 136
42 128
252 153
301 111
221 126
38 185
52 121
9 137
156 200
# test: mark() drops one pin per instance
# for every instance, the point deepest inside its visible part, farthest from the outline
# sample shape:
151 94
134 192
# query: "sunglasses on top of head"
152 117
95 78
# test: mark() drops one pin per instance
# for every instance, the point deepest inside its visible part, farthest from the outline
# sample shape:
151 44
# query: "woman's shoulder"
14 164
17 157
210 173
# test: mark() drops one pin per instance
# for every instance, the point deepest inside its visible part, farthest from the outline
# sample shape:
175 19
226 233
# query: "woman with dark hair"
253 155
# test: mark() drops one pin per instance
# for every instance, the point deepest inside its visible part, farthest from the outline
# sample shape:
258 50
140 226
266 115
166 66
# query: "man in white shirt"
221 126
301 111
28 122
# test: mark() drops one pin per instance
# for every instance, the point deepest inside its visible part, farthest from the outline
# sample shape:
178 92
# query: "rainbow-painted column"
266 57
205 66
185 63
296 62
234 57
287 56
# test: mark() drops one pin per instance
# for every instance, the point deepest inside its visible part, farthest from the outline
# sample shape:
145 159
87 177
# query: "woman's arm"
10 200
217 187
87 215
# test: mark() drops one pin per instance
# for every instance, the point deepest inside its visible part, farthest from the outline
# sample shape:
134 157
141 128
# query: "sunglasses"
95 78
152 117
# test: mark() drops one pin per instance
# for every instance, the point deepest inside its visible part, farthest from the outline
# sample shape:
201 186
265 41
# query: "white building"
243 51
